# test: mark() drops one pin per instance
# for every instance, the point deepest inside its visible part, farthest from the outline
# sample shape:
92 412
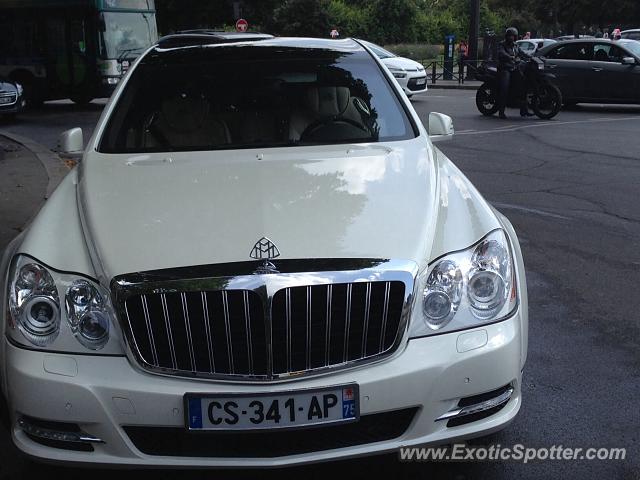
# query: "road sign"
242 25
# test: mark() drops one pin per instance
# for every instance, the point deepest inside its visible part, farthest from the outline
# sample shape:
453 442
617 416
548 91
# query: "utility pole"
474 29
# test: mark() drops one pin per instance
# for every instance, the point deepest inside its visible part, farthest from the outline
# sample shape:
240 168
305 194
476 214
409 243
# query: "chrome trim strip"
167 324
50 434
207 328
504 397
147 319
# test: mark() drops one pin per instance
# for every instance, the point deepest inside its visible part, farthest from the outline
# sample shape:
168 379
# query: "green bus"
77 49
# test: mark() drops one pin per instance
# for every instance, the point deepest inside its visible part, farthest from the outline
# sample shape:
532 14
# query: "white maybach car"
261 260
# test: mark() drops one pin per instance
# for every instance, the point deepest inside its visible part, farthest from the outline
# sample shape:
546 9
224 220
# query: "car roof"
187 40
631 30
205 36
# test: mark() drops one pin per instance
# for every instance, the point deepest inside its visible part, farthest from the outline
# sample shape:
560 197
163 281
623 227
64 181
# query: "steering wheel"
318 124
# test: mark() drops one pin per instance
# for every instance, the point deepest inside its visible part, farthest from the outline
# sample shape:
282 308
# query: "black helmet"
511 31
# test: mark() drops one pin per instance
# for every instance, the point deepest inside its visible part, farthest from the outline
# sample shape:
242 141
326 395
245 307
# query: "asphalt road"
570 186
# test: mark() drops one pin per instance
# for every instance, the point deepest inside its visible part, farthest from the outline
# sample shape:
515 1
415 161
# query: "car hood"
401 62
7 86
154 211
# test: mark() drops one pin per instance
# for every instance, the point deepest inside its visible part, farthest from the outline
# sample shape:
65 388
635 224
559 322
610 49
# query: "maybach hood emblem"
265 249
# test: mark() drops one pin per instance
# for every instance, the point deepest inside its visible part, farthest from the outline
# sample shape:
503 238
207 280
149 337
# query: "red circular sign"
242 25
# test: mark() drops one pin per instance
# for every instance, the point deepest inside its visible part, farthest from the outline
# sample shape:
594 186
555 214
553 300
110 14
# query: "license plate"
421 81
4 100
297 408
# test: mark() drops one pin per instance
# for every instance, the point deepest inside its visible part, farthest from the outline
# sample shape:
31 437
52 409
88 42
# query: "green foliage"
399 21
416 51
308 18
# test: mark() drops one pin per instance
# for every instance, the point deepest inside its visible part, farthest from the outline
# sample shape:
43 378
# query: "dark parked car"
595 70
11 98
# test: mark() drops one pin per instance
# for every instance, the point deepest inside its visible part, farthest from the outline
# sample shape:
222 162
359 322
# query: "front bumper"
103 394
410 84
15 107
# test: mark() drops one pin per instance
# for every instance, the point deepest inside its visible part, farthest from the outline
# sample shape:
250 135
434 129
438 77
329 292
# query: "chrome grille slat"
225 304
308 315
288 330
247 322
207 328
147 319
187 328
366 321
228 333
327 341
347 323
385 312
167 324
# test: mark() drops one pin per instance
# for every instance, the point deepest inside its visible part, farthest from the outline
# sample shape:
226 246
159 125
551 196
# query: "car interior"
202 110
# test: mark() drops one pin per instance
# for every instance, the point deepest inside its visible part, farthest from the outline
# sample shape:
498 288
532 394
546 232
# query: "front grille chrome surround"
202 322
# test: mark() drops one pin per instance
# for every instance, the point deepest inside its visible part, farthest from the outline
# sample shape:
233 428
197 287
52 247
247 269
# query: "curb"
435 86
52 163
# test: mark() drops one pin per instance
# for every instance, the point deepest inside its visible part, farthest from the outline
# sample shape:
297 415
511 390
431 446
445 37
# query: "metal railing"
462 70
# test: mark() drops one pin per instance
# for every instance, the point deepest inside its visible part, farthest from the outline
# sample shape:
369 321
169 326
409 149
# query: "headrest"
185 112
328 101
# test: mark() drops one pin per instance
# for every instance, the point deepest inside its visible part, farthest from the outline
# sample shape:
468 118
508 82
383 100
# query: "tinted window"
605 52
572 51
526 46
631 35
247 96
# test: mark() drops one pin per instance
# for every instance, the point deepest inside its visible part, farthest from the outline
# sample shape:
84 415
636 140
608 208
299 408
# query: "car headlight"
398 72
19 88
58 311
469 288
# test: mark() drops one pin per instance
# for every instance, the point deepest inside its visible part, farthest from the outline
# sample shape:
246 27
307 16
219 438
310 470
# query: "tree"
309 18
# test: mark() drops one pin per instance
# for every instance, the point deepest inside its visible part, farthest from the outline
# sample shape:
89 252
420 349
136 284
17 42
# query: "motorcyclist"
508 72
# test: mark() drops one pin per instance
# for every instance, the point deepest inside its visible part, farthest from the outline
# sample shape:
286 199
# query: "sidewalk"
29 173
454 85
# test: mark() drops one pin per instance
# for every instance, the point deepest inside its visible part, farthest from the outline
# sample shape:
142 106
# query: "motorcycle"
543 97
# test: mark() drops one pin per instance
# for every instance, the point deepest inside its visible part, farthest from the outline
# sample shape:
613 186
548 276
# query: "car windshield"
380 52
127 33
248 96
633 35
634 46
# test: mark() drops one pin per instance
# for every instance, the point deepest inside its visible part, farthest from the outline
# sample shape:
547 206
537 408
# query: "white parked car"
633 34
239 257
532 45
410 74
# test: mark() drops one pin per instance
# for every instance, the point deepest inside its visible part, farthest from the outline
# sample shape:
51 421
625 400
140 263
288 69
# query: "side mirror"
71 142
440 127
628 61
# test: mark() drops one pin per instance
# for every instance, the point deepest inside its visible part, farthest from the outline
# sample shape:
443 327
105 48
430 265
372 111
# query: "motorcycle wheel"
547 102
486 100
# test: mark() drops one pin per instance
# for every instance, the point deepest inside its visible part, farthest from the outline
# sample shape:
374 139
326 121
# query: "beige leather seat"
323 103
185 121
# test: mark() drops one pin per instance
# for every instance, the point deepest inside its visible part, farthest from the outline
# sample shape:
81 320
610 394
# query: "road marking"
510 128
509 206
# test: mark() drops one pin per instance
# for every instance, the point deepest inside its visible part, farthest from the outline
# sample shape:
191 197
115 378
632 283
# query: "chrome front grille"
261 326
325 325
214 332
